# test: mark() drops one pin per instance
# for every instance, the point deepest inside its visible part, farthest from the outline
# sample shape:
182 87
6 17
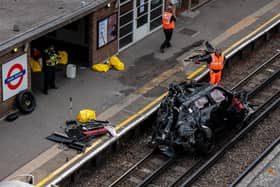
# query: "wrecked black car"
193 113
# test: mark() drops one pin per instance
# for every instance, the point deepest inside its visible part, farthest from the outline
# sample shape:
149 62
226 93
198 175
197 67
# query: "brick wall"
9 104
99 55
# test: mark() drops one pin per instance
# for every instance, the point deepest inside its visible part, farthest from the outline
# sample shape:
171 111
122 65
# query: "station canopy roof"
21 20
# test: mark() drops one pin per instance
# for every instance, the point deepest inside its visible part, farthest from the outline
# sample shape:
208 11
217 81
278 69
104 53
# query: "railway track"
152 166
264 96
264 92
144 170
262 83
261 73
262 113
260 158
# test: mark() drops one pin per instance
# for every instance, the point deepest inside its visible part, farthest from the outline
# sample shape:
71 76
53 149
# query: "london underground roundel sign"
17 78
14 76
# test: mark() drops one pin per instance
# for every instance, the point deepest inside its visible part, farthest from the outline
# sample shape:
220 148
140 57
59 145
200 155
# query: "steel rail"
272 103
157 172
274 76
256 162
132 168
256 70
150 177
188 172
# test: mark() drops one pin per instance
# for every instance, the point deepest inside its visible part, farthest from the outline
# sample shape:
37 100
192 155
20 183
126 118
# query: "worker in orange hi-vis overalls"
216 64
168 24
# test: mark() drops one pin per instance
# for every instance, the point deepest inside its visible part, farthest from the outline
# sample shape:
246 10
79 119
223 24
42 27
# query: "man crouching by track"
192 114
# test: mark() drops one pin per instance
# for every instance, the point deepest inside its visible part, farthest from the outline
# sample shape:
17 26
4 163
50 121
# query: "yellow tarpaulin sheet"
63 57
117 63
86 115
101 67
35 65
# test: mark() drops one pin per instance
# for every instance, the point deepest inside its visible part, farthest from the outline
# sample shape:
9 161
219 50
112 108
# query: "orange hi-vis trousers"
215 78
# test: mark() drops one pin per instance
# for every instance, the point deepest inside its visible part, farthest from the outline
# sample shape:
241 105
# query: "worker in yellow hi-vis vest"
50 61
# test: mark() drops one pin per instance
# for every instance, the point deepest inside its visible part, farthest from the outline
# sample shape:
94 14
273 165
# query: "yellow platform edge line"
144 109
196 72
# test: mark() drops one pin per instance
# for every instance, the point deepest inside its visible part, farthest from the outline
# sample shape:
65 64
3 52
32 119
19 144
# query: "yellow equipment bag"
117 63
101 67
63 57
35 65
86 115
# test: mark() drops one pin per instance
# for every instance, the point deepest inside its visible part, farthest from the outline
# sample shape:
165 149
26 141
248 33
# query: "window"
201 103
126 20
217 95
126 40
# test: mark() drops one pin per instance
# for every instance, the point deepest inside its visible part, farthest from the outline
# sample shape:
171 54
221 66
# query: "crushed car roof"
192 114
33 17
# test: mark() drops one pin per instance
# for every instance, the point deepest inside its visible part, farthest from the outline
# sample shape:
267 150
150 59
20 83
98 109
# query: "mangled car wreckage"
193 113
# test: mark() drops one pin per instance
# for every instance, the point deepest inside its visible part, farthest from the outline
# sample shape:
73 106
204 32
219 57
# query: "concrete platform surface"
116 96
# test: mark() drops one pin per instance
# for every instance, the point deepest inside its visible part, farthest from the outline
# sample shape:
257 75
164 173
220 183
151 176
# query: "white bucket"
71 71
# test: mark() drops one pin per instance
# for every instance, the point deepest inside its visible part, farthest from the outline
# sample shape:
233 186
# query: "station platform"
125 97
264 171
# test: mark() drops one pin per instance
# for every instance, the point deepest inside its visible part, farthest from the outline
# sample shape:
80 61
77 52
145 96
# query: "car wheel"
26 101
